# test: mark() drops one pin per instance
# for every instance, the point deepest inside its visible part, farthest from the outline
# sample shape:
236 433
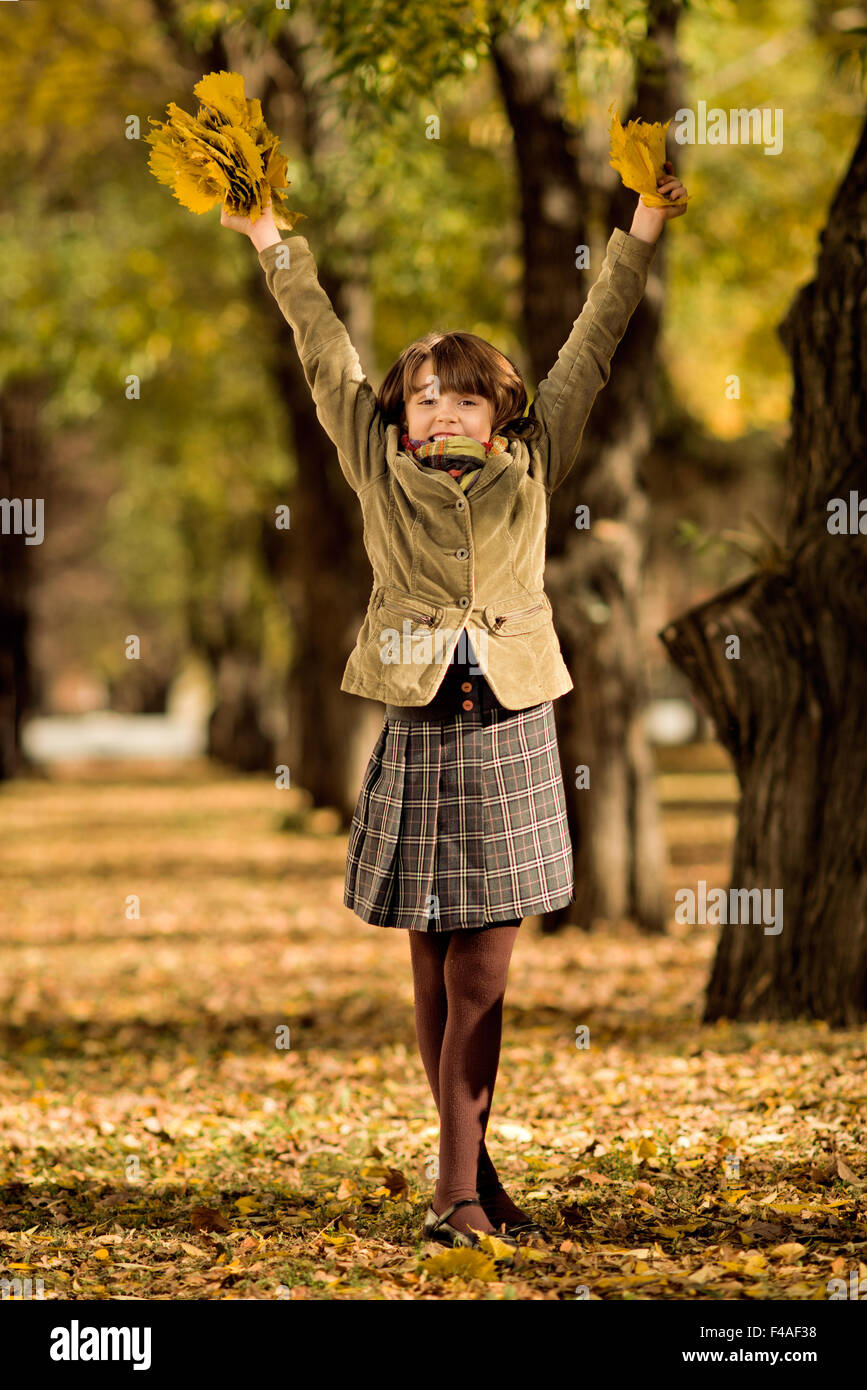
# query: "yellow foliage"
638 155
223 154
492 1245
530 1253
460 1262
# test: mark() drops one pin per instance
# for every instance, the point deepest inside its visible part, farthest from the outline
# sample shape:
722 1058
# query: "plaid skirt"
461 818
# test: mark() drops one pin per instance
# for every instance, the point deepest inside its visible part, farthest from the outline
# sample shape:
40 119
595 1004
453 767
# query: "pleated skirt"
461 819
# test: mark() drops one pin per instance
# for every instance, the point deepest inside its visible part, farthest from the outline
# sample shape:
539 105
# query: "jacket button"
460 504
467 704
462 554
466 685
463 601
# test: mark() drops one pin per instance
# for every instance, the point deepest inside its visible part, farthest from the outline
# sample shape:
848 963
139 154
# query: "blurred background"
449 161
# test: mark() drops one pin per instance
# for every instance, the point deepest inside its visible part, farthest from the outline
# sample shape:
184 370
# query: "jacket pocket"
512 617
394 603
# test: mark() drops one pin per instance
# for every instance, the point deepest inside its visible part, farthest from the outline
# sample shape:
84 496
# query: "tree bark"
22 475
595 577
235 733
791 708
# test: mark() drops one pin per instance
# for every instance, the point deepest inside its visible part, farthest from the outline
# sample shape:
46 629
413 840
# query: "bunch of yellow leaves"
638 155
225 154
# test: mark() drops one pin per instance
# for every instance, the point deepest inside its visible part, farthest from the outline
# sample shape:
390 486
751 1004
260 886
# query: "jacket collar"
416 481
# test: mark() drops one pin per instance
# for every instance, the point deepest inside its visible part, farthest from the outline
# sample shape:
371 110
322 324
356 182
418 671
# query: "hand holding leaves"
224 154
638 155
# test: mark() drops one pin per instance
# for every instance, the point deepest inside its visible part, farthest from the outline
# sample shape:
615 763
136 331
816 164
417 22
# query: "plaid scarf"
459 456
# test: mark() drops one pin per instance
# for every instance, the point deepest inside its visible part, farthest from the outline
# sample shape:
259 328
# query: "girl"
460 827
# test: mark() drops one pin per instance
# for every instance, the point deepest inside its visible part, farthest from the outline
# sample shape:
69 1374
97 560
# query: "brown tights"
459 981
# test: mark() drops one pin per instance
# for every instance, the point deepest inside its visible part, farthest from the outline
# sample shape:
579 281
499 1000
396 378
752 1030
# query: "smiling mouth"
444 434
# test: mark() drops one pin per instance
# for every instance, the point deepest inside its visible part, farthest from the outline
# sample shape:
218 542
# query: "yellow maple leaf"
223 154
493 1245
755 1263
461 1263
528 1252
247 1204
224 91
638 155
190 190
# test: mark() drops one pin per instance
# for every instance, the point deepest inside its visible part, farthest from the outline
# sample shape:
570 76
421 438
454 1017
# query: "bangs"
464 365
456 366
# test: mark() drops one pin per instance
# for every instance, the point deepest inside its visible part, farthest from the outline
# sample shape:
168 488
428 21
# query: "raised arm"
564 399
344 399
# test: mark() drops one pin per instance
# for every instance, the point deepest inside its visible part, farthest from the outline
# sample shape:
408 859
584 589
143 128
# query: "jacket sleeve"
344 399
564 399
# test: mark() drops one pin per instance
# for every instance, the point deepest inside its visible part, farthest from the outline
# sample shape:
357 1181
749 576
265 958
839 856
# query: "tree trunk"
318 564
226 631
22 476
235 733
790 709
147 694
324 576
594 577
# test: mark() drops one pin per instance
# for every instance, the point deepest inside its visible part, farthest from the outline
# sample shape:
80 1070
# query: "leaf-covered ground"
160 1141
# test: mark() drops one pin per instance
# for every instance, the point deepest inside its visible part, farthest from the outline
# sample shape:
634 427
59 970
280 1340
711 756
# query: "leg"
476 969
428 953
498 1205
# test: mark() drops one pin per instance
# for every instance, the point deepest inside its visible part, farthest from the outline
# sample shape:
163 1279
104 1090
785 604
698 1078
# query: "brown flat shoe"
527 1228
437 1227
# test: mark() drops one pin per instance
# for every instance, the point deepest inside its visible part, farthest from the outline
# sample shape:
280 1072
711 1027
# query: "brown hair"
463 362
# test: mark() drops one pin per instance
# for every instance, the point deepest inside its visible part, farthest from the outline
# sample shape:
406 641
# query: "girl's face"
430 412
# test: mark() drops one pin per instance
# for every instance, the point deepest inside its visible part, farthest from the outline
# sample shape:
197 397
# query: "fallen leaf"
496 1247
704 1274
462 1263
520 1133
208 1219
790 1251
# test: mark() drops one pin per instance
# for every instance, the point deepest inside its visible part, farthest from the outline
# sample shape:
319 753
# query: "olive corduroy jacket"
445 561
